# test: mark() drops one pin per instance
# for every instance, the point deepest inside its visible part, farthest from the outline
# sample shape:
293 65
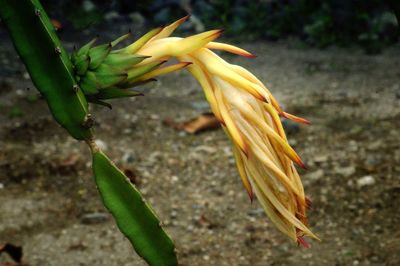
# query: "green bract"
105 73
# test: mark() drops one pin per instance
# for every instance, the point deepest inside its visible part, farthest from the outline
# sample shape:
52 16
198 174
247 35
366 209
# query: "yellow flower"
249 115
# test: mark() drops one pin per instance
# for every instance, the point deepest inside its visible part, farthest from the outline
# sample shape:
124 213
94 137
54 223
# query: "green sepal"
134 47
124 60
84 50
121 39
134 217
139 71
73 57
89 84
113 93
93 99
98 54
82 65
107 76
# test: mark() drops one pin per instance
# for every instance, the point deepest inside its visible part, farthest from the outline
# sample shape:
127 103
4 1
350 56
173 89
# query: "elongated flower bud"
248 112
250 116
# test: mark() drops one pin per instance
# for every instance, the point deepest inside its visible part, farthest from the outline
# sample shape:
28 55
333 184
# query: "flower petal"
229 48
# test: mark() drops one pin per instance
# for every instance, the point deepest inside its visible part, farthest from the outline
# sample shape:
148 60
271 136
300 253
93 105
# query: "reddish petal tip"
302 242
251 197
302 165
249 55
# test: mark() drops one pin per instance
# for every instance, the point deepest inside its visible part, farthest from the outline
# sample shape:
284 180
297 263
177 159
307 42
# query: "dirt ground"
49 204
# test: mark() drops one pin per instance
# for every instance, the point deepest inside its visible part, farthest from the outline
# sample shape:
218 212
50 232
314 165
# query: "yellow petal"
242 172
195 42
248 75
279 206
252 116
229 48
230 124
218 67
296 118
168 30
134 47
174 46
275 117
282 224
163 71
275 171
205 82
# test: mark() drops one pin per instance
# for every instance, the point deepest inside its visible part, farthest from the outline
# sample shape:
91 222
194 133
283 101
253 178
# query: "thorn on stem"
75 88
57 50
88 122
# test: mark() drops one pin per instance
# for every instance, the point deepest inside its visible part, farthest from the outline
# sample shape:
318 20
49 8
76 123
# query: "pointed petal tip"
214 34
295 118
302 164
158 30
302 242
249 55
178 22
184 18
246 54
251 196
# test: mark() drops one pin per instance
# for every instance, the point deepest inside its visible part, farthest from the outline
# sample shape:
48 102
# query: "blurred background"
370 24
336 63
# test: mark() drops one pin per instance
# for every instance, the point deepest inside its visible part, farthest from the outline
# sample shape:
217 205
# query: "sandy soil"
49 205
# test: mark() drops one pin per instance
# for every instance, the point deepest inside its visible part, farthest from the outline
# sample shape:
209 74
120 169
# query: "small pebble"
345 171
367 180
102 145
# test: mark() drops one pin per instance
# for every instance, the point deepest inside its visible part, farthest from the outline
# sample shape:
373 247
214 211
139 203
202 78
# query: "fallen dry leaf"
14 251
70 161
200 123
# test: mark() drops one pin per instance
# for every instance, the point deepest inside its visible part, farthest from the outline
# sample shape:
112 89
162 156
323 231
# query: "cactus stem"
91 142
